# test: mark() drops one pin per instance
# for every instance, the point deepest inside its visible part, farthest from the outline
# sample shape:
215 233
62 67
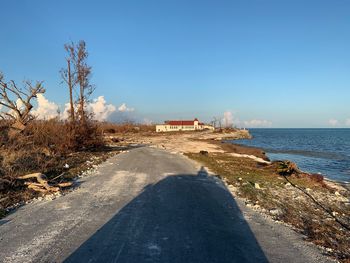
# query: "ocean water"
324 151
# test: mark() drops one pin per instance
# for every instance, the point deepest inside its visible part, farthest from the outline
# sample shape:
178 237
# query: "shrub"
127 127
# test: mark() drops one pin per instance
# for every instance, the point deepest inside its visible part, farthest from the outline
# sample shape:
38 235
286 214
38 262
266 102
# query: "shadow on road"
182 218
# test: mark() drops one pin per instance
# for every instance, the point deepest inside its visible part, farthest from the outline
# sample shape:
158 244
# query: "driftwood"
42 184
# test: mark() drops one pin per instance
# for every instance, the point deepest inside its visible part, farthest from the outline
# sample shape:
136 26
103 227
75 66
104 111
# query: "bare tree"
18 101
219 120
83 72
214 121
69 77
78 72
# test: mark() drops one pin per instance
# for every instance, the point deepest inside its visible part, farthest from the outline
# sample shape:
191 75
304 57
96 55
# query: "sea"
322 151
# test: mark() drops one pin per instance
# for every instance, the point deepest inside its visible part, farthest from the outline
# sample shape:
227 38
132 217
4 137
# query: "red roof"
182 123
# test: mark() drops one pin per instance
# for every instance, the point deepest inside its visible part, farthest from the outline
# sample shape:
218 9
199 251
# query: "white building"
194 125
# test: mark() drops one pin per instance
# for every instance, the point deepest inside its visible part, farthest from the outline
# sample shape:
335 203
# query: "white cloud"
124 108
333 122
45 109
65 114
230 120
227 121
98 107
100 110
20 104
255 123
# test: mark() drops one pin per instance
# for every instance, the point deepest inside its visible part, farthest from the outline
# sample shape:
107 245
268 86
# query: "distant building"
195 125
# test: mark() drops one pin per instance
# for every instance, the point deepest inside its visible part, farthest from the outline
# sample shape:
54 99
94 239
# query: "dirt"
187 142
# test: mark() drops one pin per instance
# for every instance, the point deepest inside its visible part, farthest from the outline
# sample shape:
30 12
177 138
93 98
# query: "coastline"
260 150
315 151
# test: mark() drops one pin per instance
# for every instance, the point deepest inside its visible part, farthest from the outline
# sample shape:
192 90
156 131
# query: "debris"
287 168
42 184
256 186
275 212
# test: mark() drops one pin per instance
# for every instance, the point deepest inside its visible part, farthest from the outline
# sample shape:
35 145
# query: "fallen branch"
42 180
325 209
36 188
42 184
63 185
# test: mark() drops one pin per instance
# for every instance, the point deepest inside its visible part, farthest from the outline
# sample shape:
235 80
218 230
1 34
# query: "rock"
204 153
256 186
49 197
275 212
287 168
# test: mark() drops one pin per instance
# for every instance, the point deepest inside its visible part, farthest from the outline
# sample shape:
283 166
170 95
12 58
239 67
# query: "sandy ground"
191 142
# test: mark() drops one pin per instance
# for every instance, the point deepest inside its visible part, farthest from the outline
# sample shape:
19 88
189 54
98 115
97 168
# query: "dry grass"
46 147
295 205
113 128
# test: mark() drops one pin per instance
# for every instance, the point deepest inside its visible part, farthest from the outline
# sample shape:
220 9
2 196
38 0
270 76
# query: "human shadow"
182 218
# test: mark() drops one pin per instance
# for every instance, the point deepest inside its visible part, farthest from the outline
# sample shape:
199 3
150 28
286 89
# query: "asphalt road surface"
148 205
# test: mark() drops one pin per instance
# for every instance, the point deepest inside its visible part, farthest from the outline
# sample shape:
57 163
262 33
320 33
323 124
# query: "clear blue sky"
287 61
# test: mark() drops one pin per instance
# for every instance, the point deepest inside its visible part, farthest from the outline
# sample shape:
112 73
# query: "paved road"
148 205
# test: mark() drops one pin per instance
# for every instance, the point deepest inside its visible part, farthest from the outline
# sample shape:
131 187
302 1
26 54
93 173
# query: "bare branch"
10 94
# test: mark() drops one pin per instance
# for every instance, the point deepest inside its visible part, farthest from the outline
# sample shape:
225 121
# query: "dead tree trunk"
70 86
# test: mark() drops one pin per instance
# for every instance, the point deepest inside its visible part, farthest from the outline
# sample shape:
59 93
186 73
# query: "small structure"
183 125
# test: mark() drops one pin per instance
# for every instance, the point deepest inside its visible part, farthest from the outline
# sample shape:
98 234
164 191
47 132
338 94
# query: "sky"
254 63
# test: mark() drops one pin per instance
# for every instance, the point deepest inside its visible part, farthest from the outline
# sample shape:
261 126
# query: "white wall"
170 128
